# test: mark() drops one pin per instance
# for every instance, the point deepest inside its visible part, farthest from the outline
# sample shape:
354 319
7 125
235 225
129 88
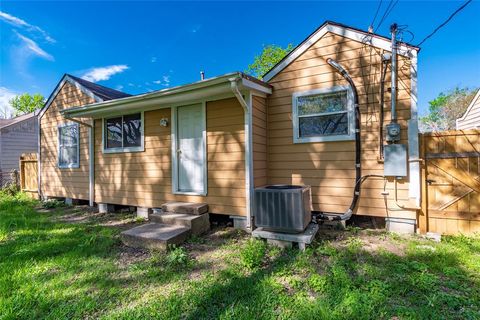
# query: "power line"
376 13
444 23
387 12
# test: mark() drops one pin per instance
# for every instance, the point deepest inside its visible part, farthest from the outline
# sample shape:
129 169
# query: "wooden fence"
29 174
451 182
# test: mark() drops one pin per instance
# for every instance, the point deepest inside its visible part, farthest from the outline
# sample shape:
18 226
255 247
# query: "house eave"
201 90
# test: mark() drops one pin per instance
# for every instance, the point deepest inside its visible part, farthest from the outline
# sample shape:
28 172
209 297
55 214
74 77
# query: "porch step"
197 223
185 207
155 236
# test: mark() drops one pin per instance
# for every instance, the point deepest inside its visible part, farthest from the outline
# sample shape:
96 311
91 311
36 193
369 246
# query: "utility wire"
376 14
444 23
389 9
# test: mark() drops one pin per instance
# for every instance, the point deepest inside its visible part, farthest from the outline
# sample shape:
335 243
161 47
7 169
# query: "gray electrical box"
395 160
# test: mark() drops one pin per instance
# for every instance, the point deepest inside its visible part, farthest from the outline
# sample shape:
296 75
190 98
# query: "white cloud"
34 48
15 21
153 59
104 73
165 81
5 96
119 87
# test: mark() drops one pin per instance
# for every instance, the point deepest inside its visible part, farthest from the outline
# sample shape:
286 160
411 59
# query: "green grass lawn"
66 263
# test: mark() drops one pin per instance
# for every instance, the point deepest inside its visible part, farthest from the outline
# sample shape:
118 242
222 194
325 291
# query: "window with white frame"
123 133
68 145
323 115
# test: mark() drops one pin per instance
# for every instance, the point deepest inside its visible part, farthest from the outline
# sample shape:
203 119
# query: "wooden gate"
451 182
29 174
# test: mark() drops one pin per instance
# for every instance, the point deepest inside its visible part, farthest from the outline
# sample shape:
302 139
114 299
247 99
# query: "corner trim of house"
413 144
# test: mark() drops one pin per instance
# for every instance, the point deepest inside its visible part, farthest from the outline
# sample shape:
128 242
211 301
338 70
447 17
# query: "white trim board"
469 108
343 31
413 144
141 148
73 165
350 114
67 78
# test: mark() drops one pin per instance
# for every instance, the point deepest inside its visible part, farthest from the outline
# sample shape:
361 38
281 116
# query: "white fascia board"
251 85
147 98
152 103
341 31
59 86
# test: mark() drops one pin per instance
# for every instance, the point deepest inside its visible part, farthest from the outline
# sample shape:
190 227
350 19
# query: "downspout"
248 149
91 160
39 163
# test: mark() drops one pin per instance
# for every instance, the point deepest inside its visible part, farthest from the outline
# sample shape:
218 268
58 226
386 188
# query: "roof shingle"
100 91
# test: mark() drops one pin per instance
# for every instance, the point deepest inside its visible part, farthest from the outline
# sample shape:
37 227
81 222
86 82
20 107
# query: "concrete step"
155 236
185 207
198 224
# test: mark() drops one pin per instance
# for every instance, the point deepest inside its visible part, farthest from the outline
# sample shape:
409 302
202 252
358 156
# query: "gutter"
248 148
209 87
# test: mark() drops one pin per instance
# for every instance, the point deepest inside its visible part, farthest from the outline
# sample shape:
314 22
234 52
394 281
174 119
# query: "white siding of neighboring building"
471 118
16 139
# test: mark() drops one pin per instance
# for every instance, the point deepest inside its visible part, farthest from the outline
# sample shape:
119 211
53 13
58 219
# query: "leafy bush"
52 203
253 253
178 257
11 189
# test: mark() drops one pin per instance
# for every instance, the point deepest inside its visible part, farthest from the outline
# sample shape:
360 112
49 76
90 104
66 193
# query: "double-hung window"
323 115
68 145
123 133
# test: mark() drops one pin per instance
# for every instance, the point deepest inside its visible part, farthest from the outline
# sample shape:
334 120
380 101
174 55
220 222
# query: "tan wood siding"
329 167
259 140
472 119
145 178
56 182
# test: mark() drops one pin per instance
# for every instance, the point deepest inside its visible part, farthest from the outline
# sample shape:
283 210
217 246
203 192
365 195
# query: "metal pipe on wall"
393 30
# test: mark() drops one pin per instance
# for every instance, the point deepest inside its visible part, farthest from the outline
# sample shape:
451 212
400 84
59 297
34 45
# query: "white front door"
190 135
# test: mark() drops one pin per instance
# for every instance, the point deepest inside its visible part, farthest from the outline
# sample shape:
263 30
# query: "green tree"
444 110
270 56
26 103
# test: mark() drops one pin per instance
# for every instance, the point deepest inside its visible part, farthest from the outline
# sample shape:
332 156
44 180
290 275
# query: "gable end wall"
56 182
329 167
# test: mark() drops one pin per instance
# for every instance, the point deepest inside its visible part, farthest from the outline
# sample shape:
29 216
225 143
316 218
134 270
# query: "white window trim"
350 111
174 143
72 165
122 149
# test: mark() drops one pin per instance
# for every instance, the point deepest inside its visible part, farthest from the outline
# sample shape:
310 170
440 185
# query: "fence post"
423 213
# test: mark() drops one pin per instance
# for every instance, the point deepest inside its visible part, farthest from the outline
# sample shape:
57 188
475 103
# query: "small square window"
323 115
123 133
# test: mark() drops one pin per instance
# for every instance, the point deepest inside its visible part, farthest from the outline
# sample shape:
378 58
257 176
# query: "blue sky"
142 46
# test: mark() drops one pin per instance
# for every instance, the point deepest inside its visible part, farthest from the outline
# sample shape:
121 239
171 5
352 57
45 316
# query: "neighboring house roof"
344 31
192 91
475 102
97 92
9 122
